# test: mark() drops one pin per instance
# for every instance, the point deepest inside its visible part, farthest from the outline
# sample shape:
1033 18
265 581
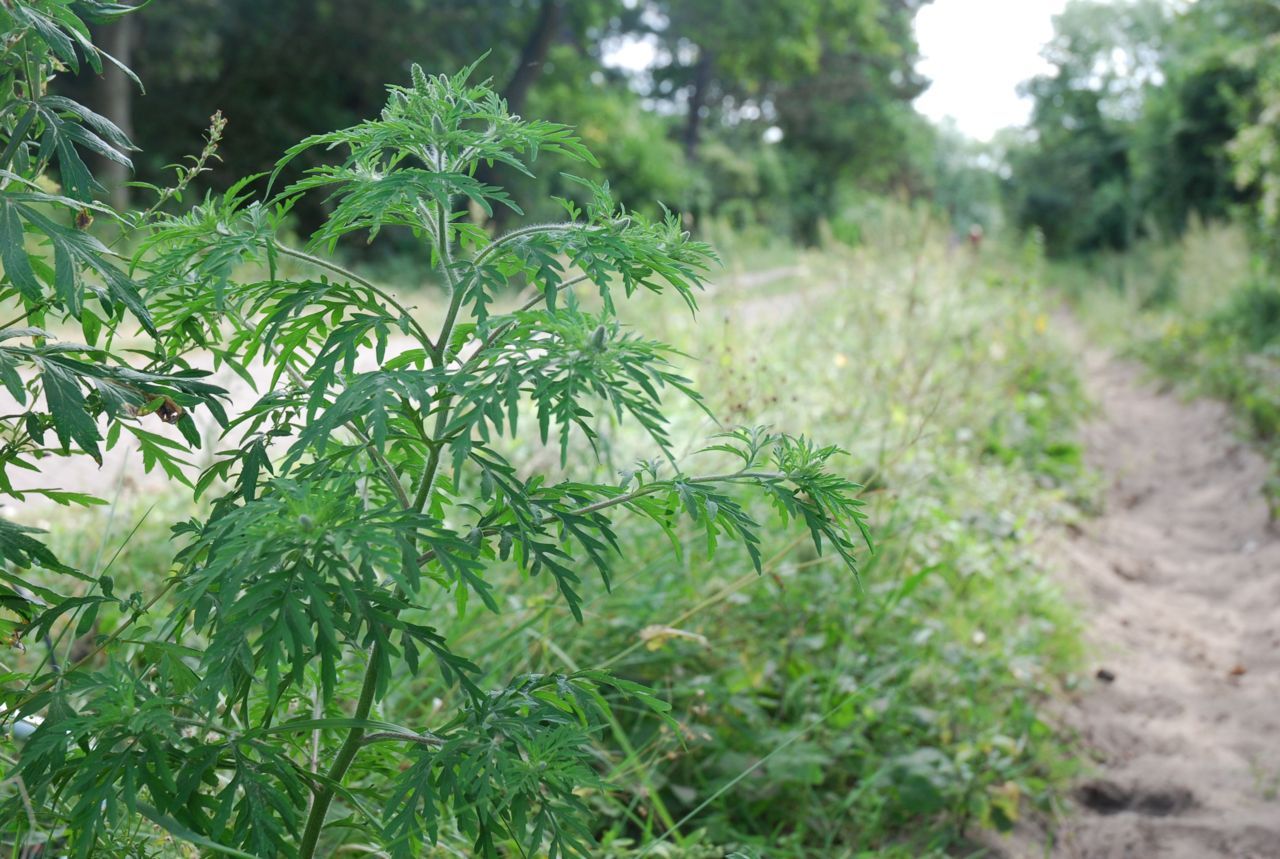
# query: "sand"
1178 580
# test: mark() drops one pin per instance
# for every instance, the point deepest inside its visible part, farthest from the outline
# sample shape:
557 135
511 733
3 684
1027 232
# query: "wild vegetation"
1153 179
558 459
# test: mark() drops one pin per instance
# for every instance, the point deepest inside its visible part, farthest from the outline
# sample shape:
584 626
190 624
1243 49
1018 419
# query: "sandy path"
1179 581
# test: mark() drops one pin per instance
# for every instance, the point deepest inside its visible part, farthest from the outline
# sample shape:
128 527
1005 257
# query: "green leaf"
71 419
17 268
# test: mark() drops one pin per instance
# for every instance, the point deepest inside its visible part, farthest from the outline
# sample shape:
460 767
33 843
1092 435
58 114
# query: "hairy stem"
341 763
650 488
401 737
440 358
497 243
321 262
351 745
647 489
21 317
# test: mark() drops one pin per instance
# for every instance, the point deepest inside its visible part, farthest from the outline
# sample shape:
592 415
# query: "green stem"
529 231
440 359
427 481
351 745
346 754
38 306
650 488
647 489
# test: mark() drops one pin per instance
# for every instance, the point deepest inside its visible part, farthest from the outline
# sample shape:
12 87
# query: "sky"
976 52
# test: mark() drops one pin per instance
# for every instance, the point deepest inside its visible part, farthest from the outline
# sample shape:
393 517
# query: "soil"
1178 580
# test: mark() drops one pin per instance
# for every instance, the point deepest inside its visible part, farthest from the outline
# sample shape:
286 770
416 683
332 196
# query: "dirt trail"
1179 581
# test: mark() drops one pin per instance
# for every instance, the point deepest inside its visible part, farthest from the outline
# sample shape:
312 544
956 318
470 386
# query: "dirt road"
1179 580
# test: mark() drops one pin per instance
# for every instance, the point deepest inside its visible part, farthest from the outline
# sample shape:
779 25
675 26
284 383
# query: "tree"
1145 120
255 62
851 122
721 62
1074 180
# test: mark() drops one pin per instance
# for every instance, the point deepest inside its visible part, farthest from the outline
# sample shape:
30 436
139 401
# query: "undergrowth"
895 714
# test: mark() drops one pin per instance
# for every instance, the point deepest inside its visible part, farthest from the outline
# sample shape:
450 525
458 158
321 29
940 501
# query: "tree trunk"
533 54
113 98
697 101
529 68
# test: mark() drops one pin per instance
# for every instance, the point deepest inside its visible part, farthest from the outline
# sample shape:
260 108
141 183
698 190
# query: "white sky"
976 52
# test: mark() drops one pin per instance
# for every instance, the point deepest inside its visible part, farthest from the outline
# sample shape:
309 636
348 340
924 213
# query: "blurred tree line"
757 112
1156 113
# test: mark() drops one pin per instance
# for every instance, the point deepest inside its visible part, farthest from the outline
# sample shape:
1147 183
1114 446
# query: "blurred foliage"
1154 115
765 115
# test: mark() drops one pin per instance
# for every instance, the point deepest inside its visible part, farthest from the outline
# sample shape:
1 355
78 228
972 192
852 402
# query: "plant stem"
650 488
647 489
351 745
35 308
321 262
439 359
528 231
401 737
346 754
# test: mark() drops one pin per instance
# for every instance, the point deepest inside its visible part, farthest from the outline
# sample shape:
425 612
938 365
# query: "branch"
346 754
321 262
650 488
430 740
505 238
647 489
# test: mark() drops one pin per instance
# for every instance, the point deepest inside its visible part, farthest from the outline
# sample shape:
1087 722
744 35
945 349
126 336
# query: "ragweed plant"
371 478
